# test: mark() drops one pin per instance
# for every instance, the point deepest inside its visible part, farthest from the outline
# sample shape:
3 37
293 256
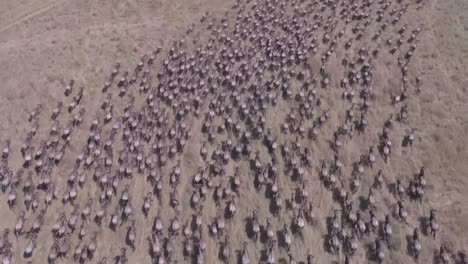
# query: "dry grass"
45 43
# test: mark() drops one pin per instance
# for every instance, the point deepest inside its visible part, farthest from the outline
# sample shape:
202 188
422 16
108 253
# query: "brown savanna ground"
45 43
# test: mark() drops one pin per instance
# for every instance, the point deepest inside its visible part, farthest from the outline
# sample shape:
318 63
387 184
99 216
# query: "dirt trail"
29 14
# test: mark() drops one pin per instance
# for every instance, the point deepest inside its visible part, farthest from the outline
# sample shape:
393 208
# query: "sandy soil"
45 43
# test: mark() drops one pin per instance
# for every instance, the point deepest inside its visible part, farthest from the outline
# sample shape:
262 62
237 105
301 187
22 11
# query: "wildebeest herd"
220 148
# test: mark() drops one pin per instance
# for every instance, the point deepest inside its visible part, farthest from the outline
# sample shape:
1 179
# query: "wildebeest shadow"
295 176
272 207
409 245
252 165
329 221
326 245
375 52
256 183
297 231
298 196
263 256
363 203
196 248
166 244
371 254
405 142
26 255
263 235
268 190
239 256
336 195
227 214
149 249
392 189
220 252
424 225
117 259
281 241
436 258
193 223
112 226
249 227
